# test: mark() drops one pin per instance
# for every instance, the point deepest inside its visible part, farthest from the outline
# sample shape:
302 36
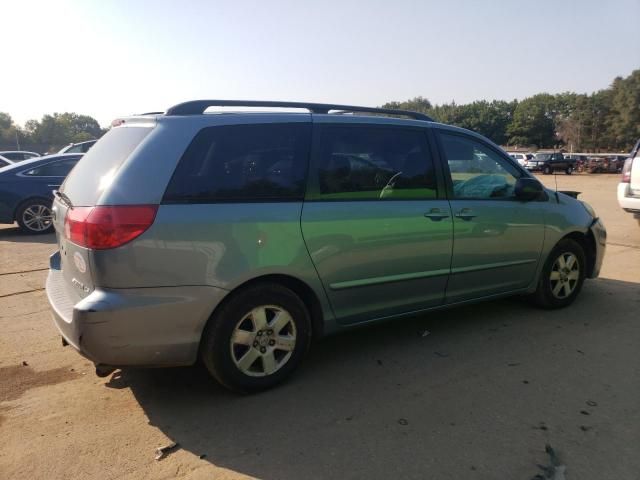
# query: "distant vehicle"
551 162
82 147
5 162
26 190
18 155
521 158
629 186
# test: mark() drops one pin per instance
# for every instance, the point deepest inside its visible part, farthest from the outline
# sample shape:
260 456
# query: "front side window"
476 170
55 169
243 163
373 163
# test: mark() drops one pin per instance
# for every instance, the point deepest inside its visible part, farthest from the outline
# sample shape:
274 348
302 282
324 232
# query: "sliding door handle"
436 214
466 214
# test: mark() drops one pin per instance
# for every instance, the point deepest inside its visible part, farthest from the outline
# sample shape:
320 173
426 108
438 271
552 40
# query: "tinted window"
243 162
100 164
15 156
476 170
75 149
374 163
55 169
4 163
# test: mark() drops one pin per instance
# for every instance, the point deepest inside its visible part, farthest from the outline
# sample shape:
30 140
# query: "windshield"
542 156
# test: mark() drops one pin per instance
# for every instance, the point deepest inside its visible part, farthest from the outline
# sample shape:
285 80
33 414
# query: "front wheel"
546 170
562 276
257 338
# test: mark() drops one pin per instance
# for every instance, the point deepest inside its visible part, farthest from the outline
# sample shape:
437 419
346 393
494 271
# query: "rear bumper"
600 236
132 327
626 200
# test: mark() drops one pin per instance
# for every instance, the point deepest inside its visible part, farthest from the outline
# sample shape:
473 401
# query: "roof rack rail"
197 107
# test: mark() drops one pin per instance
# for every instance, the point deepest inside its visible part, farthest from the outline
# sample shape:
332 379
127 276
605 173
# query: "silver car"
238 238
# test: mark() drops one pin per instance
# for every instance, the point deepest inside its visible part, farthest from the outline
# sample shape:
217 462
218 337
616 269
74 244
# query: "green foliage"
50 133
605 120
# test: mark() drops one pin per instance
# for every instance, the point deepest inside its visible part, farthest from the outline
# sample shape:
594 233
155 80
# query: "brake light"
626 170
105 227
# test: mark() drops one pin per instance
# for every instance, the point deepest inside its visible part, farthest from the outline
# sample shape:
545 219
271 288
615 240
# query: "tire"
34 216
546 169
240 344
569 170
548 293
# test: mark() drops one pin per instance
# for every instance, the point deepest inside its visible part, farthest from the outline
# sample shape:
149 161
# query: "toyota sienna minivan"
240 238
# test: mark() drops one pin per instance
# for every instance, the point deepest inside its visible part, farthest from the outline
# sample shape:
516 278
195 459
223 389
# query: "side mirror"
527 189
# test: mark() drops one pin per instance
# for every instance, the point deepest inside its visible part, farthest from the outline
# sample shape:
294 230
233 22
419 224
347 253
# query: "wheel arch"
21 203
588 244
299 287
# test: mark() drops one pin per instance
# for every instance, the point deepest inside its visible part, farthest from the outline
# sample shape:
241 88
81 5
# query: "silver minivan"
238 238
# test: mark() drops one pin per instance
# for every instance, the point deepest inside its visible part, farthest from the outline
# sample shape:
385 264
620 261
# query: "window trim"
203 200
312 193
447 172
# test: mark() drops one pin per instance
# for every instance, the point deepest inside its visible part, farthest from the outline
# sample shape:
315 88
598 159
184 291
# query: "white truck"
629 186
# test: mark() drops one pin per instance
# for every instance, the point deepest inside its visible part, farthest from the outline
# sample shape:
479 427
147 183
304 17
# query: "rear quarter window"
235 163
94 171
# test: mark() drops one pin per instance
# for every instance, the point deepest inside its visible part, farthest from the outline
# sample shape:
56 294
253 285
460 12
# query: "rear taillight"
105 227
626 171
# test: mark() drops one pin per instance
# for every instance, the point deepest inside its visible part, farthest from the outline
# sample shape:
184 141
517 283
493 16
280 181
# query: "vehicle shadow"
13 234
469 390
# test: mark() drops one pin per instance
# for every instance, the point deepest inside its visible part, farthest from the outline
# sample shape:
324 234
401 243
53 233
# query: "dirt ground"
478 398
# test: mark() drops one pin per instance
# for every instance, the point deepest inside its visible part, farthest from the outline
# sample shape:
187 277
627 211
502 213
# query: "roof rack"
197 107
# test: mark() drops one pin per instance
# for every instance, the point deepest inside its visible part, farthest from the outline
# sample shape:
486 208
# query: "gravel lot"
478 398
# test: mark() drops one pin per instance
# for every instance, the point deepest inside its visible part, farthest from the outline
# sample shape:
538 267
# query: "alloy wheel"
263 341
564 276
37 218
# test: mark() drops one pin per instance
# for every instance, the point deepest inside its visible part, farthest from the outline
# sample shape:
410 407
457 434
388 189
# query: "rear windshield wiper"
64 198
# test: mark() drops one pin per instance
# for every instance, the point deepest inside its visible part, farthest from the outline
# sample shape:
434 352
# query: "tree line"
606 120
50 133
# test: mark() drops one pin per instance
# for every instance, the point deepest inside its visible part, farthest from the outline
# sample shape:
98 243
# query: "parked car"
18 155
26 191
629 186
82 147
250 240
5 162
551 162
521 158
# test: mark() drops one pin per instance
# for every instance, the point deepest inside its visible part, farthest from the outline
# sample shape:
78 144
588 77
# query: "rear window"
243 163
93 173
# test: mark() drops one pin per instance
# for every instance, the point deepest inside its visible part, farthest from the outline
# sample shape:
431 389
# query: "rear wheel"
569 170
257 338
34 216
562 276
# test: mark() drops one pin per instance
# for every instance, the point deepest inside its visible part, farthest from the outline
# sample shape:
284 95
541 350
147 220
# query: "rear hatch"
83 187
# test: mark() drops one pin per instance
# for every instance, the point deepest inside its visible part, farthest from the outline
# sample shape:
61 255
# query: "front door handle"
436 214
466 214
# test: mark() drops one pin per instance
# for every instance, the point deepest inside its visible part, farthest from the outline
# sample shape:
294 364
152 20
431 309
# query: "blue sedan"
26 190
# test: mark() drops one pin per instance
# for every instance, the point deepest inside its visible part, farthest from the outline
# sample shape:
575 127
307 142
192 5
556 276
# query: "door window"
373 163
477 171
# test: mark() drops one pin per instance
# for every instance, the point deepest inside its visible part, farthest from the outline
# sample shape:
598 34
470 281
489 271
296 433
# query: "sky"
113 58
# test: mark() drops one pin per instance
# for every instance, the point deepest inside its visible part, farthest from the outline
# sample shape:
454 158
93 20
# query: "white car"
521 158
629 186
